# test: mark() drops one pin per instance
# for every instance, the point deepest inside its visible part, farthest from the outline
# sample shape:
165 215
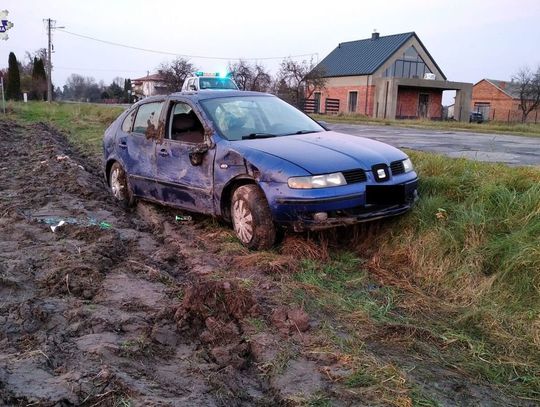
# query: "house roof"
149 78
510 88
364 57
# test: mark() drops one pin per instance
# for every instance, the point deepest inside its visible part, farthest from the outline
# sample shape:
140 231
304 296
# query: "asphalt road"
508 149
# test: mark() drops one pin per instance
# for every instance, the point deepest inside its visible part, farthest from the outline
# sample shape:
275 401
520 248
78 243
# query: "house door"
317 98
423 103
353 99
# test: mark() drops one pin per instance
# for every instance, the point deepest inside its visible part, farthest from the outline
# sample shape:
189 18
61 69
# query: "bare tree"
528 83
297 81
174 73
82 88
241 73
250 77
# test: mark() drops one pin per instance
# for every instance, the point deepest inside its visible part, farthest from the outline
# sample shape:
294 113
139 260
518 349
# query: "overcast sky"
470 40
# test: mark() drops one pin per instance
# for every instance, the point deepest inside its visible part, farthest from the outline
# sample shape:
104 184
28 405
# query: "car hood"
326 152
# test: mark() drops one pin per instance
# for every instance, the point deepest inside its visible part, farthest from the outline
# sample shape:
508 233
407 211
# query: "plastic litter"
60 224
55 222
183 218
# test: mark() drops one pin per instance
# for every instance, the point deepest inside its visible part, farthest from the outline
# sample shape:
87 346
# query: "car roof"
201 95
214 94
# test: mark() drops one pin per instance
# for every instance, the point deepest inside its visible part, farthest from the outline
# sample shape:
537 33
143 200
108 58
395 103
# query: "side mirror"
323 124
192 87
196 154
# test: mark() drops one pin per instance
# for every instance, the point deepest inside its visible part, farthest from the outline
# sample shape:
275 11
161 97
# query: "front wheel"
251 218
120 187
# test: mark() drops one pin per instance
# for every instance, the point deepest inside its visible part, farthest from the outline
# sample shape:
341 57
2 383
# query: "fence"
331 106
311 106
513 116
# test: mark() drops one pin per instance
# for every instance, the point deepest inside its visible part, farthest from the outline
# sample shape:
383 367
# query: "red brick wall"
407 102
342 93
501 106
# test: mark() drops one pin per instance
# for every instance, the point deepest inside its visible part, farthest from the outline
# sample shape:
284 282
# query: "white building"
148 85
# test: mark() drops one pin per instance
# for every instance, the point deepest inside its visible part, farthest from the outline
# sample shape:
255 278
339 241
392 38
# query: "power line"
66 68
178 54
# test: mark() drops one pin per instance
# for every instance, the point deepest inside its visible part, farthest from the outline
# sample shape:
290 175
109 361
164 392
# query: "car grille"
397 167
354 176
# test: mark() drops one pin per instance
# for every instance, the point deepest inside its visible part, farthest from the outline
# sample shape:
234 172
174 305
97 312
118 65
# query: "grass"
456 279
520 129
460 273
84 123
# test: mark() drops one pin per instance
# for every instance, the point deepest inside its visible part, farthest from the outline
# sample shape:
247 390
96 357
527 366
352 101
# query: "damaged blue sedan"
255 161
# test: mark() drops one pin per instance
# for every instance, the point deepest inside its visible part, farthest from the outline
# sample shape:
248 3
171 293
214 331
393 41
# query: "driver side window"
184 125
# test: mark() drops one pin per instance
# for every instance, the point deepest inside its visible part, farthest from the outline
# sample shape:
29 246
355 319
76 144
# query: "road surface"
508 149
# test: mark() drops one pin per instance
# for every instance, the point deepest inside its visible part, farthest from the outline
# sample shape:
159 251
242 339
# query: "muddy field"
117 308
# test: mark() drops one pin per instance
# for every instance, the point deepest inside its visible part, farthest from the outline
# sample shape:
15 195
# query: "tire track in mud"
142 311
87 315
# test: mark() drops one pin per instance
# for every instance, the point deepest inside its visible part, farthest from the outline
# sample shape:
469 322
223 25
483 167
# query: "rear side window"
127 125
147 116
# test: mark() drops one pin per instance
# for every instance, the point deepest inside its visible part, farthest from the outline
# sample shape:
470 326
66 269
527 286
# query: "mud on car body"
255 161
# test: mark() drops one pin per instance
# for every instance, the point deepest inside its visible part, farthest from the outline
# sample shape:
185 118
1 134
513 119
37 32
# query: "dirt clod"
290 321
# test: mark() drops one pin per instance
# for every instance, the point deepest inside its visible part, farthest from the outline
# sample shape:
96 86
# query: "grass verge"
84 123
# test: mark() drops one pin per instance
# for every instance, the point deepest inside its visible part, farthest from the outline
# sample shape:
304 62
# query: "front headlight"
317 181
407 165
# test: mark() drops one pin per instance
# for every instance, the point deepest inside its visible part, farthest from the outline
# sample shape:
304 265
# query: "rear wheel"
251 218
120 187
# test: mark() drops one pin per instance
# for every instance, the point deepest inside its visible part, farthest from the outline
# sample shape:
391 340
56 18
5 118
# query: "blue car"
255 161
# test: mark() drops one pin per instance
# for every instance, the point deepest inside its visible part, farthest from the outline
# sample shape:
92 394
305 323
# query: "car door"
182 181
137 149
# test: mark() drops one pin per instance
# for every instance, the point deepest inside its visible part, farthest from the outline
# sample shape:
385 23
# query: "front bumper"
318 209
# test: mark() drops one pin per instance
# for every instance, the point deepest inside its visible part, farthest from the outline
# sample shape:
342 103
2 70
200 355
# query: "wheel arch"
228 190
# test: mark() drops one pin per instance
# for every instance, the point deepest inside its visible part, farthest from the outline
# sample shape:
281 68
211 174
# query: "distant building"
148 85
389 77
499 101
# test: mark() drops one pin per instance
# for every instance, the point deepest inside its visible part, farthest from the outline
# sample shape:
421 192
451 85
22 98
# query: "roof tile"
362 57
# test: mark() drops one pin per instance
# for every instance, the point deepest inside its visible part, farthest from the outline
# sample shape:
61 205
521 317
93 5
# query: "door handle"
163 152
122 144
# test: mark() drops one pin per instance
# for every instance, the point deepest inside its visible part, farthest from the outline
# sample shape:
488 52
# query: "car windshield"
245 117
216 83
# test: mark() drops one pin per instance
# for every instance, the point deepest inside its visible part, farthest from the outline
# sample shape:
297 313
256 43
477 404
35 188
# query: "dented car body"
194 150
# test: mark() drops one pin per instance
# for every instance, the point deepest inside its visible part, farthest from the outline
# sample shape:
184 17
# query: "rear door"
136 146
180 182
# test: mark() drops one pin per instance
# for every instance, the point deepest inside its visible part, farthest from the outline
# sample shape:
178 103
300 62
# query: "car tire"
251 218
119 186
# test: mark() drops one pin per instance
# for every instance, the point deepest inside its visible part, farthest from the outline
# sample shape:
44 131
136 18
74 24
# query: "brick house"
499 101
391 77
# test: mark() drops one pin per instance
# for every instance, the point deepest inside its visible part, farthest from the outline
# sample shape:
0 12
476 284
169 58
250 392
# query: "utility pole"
49 25
49 63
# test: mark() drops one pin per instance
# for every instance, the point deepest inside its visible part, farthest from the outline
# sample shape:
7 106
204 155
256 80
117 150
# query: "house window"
353 99
410 65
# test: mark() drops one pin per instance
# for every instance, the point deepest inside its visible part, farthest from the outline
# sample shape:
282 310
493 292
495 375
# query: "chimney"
374 35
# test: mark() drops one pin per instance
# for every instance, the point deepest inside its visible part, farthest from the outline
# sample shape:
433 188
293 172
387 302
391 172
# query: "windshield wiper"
305 131
258 135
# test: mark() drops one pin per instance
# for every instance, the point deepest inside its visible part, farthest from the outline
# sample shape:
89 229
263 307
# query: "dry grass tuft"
267 262
299 247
